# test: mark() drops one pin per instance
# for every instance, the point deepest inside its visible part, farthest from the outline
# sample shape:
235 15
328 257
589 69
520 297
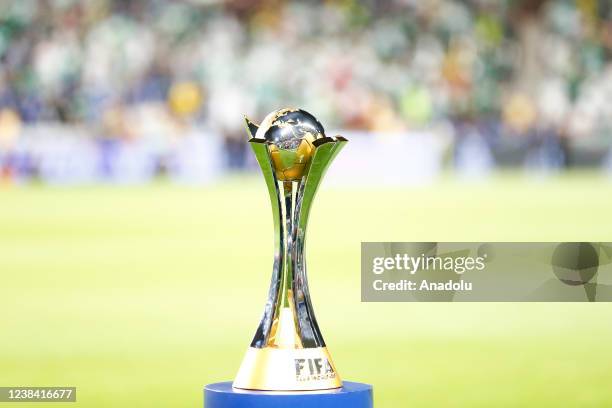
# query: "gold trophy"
288 352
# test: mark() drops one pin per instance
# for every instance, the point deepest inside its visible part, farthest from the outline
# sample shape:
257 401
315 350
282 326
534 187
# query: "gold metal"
290 164
274 369
288 352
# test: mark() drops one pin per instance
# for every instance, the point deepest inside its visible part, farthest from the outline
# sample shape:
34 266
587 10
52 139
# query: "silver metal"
286 132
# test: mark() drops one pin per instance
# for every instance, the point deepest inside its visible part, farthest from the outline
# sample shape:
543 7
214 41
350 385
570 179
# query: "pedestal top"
352 394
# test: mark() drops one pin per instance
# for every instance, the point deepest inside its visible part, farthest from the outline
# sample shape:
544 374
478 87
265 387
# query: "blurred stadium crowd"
129 90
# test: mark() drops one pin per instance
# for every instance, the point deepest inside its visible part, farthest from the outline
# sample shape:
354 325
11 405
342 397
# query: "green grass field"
140 296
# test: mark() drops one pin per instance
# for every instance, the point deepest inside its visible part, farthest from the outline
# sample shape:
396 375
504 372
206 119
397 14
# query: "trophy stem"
291 322
283 332
288 319
288 207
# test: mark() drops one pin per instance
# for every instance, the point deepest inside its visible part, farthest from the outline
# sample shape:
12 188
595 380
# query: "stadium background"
135 236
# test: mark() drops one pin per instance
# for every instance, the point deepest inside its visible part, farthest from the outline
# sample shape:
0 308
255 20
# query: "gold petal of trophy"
288 352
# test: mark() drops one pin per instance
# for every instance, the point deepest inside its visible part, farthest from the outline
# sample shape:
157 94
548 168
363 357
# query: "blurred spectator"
143 80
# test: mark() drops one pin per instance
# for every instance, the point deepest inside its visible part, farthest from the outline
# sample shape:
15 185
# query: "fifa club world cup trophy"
287 363
288 351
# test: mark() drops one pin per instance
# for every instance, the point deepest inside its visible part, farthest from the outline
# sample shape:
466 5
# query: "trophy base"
351 395
277 369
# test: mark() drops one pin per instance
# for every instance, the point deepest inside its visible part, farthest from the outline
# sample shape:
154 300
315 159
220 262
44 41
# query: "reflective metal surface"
288 351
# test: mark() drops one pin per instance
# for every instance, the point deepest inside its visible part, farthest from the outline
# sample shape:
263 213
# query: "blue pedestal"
351 395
